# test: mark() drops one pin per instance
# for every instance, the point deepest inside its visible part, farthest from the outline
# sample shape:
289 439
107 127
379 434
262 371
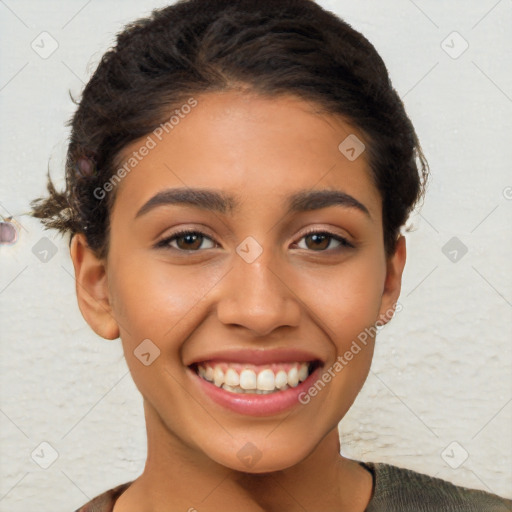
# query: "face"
282 269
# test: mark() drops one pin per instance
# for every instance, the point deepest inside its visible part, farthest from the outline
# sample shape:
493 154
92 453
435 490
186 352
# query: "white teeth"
293 377
268 380
228 388
281 379
238 389
232 378
303 373
265 380
218 376
248 379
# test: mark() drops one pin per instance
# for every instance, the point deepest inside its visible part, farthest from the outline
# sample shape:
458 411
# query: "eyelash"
165 243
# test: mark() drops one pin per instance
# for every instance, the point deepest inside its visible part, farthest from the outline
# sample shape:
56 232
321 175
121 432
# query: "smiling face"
252 288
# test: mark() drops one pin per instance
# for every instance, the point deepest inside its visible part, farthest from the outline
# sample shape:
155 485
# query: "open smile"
258 388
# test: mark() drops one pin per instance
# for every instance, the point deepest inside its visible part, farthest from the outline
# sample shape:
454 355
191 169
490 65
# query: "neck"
184 476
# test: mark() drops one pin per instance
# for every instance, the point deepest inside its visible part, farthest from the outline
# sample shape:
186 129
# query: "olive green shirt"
398 489
395 489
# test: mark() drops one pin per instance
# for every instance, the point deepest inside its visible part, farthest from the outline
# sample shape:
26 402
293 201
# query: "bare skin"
295 294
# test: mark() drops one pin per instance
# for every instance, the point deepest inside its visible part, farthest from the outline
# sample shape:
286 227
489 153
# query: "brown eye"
185 241
319 241
190 242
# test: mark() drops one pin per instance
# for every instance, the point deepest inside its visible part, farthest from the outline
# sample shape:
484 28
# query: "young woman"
238 175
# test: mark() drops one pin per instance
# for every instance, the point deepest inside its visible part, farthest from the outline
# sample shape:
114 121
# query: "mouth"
255 382
247 378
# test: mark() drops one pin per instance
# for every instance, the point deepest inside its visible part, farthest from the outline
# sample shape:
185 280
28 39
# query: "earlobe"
92 289
393 283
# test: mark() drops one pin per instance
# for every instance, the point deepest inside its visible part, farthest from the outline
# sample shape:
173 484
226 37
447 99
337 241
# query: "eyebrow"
217 201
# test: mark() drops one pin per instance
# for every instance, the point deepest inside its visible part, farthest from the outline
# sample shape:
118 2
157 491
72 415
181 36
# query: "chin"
253 460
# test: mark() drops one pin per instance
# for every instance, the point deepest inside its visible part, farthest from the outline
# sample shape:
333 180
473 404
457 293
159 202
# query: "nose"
258 296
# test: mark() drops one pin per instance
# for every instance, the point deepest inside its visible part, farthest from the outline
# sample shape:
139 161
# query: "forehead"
251 147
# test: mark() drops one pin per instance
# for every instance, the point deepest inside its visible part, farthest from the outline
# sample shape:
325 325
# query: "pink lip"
253 404
259 357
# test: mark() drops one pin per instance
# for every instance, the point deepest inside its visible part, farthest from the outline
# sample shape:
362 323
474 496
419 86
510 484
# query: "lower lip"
253 404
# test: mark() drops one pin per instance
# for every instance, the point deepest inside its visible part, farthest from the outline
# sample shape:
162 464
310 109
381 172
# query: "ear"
92 289
393 283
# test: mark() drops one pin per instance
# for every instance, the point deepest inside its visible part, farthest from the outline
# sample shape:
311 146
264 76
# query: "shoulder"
401 489
104 502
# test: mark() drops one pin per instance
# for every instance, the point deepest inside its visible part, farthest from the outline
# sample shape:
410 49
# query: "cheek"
346 306
156 300
346 298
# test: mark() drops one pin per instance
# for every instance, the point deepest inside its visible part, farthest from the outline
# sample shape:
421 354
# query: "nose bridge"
256 295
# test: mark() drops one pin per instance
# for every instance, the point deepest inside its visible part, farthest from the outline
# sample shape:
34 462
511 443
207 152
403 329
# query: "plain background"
440 387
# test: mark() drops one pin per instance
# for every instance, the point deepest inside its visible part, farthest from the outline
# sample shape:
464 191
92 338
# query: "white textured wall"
441 372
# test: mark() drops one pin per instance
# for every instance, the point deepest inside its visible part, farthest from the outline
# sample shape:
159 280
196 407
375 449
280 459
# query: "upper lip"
258 356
